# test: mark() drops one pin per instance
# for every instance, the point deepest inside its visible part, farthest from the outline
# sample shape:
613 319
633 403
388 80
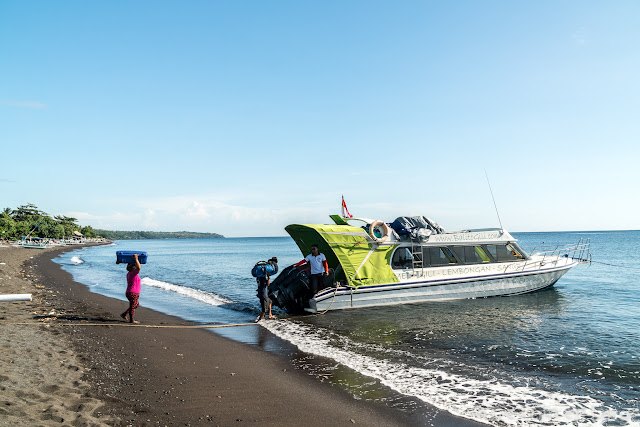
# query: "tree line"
18 223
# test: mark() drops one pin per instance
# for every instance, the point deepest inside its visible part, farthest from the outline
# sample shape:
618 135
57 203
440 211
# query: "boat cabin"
436 256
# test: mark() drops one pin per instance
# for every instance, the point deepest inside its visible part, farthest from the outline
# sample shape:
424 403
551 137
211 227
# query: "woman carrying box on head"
133 288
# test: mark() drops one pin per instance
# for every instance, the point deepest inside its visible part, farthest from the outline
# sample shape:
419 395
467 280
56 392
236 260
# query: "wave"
76 260
489 401
204 296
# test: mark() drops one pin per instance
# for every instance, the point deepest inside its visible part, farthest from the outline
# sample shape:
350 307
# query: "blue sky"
243 117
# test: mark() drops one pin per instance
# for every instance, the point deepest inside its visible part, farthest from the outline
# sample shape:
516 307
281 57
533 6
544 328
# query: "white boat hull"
438 290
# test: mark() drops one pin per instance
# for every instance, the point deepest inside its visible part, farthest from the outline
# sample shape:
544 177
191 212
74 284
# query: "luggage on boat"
416 227
265 268
126 257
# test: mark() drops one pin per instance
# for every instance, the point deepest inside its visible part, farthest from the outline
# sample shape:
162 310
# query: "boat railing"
552 254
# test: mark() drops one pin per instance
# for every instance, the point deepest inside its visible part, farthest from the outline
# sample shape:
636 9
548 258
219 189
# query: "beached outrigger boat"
34 243
414 260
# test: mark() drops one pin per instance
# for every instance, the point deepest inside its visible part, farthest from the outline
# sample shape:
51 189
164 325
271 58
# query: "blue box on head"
126 257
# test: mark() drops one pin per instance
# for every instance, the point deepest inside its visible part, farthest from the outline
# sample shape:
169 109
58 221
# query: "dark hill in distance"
127 235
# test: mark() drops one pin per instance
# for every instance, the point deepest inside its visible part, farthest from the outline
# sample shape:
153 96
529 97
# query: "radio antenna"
494 199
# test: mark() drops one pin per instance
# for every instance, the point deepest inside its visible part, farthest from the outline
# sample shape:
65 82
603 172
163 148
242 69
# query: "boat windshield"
502 253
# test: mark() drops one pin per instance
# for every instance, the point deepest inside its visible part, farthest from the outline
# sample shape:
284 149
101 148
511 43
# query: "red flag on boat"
345 211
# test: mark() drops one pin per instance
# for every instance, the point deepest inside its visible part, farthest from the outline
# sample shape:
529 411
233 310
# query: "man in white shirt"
319 267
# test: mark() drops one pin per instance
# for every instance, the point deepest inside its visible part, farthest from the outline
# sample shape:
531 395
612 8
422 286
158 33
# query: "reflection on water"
452 328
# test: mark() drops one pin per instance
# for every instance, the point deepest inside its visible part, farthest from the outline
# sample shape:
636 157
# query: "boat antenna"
494 199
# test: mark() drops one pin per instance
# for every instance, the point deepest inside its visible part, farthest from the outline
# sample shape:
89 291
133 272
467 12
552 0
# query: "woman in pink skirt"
133 288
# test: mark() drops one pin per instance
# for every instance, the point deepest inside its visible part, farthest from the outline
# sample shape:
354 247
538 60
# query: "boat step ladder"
416 256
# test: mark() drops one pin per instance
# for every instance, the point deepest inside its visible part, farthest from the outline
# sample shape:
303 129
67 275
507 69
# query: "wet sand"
77 363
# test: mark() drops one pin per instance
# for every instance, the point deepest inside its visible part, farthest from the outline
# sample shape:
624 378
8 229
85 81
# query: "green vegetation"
126 235
17 223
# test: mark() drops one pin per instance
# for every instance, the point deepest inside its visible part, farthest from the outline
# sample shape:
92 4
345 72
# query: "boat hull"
437 290
35 246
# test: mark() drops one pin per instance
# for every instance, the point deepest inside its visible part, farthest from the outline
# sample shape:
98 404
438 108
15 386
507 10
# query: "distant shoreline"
131 235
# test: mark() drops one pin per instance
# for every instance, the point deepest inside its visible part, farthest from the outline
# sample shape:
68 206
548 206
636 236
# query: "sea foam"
490 401
197 294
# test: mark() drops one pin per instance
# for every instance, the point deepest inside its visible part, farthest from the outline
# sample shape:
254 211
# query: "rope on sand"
137 325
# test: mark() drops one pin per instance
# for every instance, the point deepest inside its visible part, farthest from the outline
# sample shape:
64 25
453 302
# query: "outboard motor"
291 289
265 268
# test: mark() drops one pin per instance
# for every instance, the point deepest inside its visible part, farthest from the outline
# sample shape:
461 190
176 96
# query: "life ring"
385 231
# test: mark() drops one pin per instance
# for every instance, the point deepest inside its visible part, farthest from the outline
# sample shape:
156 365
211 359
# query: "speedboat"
414 260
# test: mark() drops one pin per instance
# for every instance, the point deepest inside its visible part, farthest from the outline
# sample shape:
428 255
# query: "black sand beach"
112 373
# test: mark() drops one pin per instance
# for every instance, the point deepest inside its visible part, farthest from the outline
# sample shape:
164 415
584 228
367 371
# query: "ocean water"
567 355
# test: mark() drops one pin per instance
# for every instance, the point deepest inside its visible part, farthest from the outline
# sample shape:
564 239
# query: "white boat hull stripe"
329 292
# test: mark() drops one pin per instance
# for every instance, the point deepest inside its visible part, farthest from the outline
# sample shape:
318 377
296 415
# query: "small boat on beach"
413 260
34 243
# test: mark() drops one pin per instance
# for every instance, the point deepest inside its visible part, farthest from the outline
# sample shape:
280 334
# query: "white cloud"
264 216
116 221
197 210
580 36
150 220
25 104
201 214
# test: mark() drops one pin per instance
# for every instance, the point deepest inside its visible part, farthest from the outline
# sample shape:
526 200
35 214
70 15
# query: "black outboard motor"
291 289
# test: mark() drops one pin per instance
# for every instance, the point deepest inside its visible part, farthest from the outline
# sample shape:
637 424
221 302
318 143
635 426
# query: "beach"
68 359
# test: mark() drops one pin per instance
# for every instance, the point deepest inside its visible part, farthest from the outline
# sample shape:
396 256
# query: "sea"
563 356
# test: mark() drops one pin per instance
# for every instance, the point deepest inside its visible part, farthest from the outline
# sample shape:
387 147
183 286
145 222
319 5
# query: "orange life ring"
385 231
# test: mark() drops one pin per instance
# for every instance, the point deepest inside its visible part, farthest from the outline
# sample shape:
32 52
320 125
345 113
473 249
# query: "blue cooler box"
126 257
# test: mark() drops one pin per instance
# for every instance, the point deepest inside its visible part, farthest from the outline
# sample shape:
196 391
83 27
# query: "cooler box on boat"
127 256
